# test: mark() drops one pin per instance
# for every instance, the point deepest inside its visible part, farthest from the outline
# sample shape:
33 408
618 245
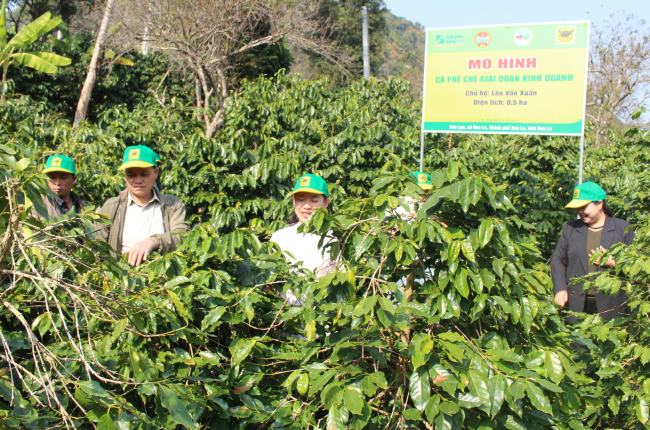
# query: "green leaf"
180 308
331 396
443 378
336 419
29 33
212 318
412 414
419 388
614 404
443 422
478 387
463 195
485 232
461 282
106 423
496 389
23 164
452 170
553 366
642 410
353 400
475 190
240 350
537 398
3 26
318 383
468 250
432 408
169 400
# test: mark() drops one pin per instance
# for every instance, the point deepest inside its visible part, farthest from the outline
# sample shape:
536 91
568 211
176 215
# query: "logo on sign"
134 154
523 37
304 182
443 40
482 39
565 36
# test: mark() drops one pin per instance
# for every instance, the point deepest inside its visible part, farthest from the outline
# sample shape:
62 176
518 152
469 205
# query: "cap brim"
306 190
135 163
425 187
576 203
57 169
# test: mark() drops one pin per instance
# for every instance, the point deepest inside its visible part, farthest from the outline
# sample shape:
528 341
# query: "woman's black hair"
293 218
606 209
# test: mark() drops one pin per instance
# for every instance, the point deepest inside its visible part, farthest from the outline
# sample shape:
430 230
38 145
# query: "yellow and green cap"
310 184
60 163
586 193
422 179
139 156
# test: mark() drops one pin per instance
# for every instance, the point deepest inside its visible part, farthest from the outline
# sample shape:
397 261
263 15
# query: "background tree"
82 106
619 73
207 36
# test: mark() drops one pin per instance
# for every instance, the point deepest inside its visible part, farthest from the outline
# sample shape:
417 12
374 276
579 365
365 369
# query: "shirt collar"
154 199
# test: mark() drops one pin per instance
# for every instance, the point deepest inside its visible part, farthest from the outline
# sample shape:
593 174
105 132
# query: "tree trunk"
82 106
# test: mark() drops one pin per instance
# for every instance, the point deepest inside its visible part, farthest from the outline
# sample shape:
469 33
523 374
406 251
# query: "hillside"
403 53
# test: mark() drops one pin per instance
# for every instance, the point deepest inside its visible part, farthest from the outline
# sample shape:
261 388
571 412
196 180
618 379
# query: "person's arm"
167 241
559 262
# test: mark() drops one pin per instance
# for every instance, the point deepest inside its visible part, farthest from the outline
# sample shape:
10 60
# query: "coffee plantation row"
443 320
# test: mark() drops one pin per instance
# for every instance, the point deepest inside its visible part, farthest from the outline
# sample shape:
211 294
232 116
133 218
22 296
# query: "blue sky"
437 13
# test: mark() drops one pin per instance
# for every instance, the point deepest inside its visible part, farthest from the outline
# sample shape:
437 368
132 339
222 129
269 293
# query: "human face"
61 183
305 203
591 213
140 181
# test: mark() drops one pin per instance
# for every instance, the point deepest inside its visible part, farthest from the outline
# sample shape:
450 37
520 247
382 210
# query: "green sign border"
565 129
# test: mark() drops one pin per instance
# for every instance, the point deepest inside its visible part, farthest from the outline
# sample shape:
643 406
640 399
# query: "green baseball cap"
60 163
586 193
422 179
310 184
139 156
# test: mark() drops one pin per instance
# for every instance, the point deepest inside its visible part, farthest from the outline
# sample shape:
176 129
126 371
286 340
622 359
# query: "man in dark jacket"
62 175
143 220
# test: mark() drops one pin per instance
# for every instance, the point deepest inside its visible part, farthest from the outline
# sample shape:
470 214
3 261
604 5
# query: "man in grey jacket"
143 220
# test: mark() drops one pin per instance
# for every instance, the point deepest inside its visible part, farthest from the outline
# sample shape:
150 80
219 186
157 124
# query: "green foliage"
46 62
442 318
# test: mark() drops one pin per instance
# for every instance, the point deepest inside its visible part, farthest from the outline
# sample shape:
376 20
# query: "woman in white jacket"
311 192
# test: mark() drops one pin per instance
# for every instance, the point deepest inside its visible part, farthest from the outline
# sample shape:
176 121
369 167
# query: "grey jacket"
570 260
173 211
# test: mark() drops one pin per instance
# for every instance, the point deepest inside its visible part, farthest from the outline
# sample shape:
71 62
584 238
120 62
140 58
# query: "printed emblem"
576 194
56 162
134 154
482 39
422 177
304 182
565 35
523 37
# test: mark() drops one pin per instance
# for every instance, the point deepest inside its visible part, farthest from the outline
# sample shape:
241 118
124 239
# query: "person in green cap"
144 220
310 192
594 229
61 176
423 180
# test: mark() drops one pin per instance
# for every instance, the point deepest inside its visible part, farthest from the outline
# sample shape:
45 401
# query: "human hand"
610 261
562 298
140 252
